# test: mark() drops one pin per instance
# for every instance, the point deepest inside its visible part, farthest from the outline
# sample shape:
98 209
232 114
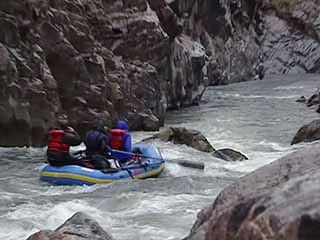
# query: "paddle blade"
187 163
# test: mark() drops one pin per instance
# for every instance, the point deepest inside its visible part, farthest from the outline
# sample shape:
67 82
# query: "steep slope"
79 61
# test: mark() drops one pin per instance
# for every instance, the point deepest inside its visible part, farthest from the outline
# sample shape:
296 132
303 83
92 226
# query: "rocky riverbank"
79 61
278 201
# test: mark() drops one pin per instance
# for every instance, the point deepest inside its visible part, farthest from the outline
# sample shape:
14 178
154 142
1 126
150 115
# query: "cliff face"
78 61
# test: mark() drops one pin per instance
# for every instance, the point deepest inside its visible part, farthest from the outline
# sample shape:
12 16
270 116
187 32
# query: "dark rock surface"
189 137
302 99
308 133
79 227
277 201
230 155
79 61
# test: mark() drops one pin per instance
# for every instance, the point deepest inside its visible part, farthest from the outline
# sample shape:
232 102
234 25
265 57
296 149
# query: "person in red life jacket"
120 139
59 145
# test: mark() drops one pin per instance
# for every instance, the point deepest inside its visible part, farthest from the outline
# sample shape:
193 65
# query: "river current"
257 118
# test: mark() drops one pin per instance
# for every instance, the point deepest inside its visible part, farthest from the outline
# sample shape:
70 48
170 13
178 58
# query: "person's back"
120 139
97 149
59 143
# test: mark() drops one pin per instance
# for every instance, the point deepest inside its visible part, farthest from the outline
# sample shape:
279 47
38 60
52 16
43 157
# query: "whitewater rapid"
258 119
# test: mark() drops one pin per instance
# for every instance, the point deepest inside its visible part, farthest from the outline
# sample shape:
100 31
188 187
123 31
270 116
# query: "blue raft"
77 175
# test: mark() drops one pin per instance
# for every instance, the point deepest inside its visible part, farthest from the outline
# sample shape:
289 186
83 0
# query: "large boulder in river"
308 133
189 137
278 201
230 155
79 227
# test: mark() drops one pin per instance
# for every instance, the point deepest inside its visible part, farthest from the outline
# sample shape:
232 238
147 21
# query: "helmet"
122 125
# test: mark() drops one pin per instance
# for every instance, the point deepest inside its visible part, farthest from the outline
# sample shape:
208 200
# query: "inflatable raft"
151 166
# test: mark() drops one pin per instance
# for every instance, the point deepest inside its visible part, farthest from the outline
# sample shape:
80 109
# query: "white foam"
30 218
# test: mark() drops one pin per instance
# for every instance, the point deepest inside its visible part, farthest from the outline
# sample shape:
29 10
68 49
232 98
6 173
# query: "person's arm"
71 138
127 143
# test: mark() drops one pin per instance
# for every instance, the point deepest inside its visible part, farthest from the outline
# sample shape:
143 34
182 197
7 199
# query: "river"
257 118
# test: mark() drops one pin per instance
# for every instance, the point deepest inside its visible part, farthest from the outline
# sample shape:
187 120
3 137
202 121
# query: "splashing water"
258 119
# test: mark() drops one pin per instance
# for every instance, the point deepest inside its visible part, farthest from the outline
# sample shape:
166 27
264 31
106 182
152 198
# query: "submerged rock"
189 137
302 99
278 201
308 133
228 154
79 227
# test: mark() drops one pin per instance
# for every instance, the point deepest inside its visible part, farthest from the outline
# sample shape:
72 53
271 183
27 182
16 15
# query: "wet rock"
314 99
302 99
228 154
150 122
308 133
139 56
190 137
79 226
278 201
68 49
188 60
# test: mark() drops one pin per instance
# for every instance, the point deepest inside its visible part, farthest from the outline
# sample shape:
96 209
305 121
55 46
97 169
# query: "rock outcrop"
308 133
78 61
189 137
230 155
278 201
79 227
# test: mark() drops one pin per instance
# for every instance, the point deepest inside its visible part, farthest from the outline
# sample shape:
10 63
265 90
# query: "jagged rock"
302 99
308 133
150 122
314 99
228 154
187 61
68 48
277 201
139 56
190 137
79 227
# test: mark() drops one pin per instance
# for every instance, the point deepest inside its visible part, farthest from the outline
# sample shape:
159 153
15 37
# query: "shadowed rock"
302 99
89 60
308 133
277 201
228 154
189 137
79 227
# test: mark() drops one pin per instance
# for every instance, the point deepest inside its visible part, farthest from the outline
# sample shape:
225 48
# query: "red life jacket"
55 141
117 139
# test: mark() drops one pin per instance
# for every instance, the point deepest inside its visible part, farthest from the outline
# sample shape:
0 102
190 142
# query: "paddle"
182 162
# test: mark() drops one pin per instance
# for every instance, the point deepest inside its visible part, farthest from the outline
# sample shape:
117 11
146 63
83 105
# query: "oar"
182 162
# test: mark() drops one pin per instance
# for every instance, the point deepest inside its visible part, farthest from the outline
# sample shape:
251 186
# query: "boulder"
189 137
79 227
150 122
302 99
230 155
308 133
277 201
313 100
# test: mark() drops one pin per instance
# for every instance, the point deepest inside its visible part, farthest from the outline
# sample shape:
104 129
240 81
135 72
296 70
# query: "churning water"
258 119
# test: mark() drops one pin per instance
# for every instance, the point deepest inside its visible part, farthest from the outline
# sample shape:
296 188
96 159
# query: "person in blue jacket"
120 139
97 149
